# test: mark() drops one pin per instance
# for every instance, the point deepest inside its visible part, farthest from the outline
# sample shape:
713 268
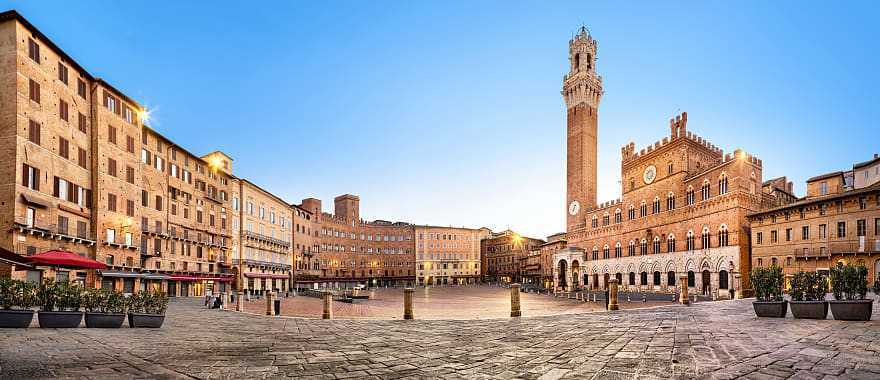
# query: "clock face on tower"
574 207
650 174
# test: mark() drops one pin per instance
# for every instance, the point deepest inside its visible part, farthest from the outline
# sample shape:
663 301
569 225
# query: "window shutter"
36 179
24 175
55 188
71 192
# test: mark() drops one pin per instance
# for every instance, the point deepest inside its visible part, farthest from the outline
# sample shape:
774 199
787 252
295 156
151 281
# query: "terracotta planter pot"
770 309
59 319
105 320
16 318
145 320
859 310
809 309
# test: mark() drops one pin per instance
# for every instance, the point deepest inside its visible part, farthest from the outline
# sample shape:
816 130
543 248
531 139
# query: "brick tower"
582 90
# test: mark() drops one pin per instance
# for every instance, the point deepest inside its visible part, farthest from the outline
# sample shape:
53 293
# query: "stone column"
683 296
270 306
514 301
238 297
328 305
612 295
407 303
224 302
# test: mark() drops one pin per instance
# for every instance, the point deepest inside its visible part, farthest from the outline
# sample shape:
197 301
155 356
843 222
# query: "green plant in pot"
16 302
767 283
808 295
59 304
147 309
104 308
849 284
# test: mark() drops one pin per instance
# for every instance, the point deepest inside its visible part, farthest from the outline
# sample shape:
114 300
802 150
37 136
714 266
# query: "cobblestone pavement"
709 340
450 302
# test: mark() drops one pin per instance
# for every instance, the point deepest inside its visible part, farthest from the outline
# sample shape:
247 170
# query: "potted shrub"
16 301
808 295
849 284
147 309
59 304
104 308
768 292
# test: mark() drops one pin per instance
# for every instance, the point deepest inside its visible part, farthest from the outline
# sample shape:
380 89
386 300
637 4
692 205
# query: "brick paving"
709 340
451 302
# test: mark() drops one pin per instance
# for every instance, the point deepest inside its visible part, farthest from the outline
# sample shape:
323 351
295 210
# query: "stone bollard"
238 298
407 303
514 301
683 296
612 295
224 302
328 305
270 306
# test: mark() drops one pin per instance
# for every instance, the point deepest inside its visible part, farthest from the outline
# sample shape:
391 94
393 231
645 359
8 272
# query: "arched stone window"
670 201
705 191
722 184
643 249
643 209
670 243
657 244
722 235
605 219
689 195
618 252
617 217
632 278
655 206
689 241
595 221
605 252
722 279
670 278
577 62
595 253
657 278
691 280
707 238
631 213
631 250
644 278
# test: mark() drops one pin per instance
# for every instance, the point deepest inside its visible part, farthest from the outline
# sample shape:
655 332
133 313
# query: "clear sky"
449 113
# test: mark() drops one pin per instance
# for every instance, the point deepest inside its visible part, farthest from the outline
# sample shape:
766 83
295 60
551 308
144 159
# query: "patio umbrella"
70 260
13 258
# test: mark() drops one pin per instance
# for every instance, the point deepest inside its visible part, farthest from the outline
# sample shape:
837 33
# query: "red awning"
59 258
13 258
197 278
266 275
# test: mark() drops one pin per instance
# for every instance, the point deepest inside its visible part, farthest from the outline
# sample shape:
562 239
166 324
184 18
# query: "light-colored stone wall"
447 255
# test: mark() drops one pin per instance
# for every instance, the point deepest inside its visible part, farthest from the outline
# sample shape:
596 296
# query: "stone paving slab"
720 340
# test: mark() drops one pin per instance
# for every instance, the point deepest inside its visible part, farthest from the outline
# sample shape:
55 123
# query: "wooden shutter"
25 175
55 188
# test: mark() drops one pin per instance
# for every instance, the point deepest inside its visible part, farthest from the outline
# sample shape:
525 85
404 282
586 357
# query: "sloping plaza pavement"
708 340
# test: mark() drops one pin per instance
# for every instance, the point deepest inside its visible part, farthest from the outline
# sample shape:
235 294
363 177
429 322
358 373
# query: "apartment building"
837 221
501 255
266 237
448 255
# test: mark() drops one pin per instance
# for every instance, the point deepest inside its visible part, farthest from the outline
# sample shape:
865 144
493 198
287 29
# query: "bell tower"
582 90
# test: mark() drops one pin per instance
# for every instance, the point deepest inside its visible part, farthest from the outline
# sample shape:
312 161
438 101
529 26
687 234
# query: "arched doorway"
722 279
657 278
670 278
575 274
643 279
707 278
691 279
619 277
595 284
632 278
561 276
605 282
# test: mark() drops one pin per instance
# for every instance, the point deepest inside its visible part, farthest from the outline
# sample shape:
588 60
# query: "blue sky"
449 113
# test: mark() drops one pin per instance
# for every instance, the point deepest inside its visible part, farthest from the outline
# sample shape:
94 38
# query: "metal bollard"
514 301
328 305
407 303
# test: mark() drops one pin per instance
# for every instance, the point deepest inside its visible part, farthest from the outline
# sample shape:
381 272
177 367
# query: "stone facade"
448 255
266 254
342 250
683 209
838 221
501 255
